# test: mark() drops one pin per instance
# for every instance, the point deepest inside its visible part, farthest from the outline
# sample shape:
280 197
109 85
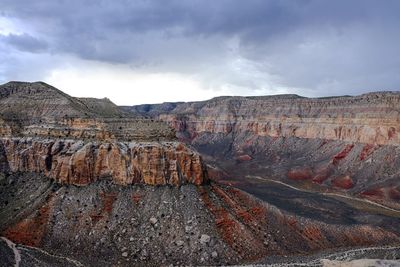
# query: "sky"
149 51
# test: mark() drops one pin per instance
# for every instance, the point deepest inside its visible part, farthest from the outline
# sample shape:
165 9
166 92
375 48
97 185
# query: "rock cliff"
80 163
79 140
372 118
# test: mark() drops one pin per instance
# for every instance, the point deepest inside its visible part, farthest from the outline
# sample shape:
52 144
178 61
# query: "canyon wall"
372 118
80 163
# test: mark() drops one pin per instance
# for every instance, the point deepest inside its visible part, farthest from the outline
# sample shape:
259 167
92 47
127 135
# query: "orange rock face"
80 163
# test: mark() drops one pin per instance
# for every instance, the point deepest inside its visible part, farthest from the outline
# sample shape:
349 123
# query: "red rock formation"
244 158
31 230
300 174
80 163
368 149
394 193
375 192
342 154
344 182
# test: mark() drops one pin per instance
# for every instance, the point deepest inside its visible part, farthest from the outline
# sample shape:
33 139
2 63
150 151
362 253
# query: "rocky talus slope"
345 144
105 224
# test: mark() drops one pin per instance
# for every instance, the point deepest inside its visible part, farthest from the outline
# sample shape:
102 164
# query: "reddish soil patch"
227 227
239 211
391 132
107 200
216 175
394 193
240 239
244 158
257 210
321 174
319 179
344 182
300 174
314 235
342 154
136 198
376 192
367 150
31 230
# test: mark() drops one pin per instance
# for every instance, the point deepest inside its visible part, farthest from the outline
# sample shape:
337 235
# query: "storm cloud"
308 47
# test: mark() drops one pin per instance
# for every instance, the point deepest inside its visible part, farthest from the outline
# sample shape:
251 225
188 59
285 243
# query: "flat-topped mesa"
372 118
79 163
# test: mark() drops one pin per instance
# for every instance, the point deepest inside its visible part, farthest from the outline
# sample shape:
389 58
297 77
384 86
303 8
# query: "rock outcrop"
80 140
80 163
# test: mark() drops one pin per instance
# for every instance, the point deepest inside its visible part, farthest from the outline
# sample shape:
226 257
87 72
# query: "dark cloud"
319 46
24 42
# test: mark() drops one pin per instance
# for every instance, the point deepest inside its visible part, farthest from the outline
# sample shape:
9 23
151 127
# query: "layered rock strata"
372 118
80 163
105 129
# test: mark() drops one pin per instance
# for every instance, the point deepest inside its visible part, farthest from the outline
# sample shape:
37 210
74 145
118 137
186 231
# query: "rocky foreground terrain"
86 183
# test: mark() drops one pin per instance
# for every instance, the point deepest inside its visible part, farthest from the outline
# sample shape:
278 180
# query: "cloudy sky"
148 51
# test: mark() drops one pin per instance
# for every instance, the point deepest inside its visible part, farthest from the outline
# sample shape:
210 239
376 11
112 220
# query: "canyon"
343 144
231 180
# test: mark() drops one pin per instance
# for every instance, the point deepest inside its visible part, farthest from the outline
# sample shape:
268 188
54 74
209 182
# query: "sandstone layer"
80 163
